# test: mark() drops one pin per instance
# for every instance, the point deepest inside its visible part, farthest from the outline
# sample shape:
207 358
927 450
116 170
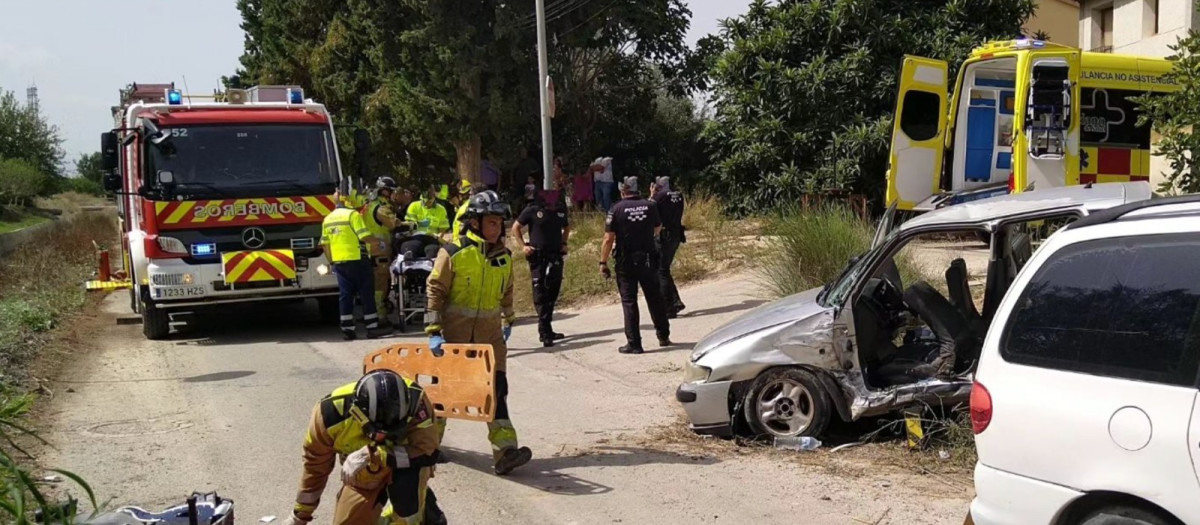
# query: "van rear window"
1123 307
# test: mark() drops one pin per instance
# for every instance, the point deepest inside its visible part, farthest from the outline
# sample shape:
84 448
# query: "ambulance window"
919 115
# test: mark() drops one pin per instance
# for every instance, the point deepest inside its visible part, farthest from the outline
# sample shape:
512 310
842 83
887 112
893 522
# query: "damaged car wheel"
785 402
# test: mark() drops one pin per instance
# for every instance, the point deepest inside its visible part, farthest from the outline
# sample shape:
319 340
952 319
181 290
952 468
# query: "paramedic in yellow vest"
344 238
431 221
381 219
381 430
470 300
478 188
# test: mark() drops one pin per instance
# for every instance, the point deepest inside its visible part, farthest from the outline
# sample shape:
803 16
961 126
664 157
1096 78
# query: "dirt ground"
223 405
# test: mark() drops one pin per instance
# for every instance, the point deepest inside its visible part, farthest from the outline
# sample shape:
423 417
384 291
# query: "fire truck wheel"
156 322
328 307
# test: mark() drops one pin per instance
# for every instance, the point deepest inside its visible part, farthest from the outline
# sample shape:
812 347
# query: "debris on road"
267 519
799 444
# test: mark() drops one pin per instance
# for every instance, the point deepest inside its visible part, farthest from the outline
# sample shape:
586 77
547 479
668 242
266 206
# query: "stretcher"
461 382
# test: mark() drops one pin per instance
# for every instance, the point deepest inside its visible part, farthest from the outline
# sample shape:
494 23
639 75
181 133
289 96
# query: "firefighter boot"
512 458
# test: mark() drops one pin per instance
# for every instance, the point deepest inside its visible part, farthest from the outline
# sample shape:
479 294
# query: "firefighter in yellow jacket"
382 431
380 219
470 300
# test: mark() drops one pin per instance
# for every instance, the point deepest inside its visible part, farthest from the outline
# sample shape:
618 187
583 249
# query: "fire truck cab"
1024 114
221 198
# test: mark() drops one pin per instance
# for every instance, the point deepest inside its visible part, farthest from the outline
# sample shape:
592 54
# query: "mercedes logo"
254 237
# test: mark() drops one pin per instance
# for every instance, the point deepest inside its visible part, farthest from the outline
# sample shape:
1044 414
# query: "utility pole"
543 90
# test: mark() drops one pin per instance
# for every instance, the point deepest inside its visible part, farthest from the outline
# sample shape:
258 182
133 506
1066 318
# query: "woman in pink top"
581 187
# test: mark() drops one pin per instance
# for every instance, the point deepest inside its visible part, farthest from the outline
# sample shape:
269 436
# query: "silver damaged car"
866 344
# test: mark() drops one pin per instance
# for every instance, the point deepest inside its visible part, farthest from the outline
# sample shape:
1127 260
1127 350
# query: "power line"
590 18
572 5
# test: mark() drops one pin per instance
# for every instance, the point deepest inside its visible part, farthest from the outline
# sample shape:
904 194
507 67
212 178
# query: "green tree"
436 82
25 134
1176 117
90 166
20 181
805 91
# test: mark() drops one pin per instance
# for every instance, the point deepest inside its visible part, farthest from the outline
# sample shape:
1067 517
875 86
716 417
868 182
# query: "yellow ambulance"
1025 114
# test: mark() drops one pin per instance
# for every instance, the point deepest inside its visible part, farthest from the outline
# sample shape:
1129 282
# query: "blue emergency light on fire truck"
221 197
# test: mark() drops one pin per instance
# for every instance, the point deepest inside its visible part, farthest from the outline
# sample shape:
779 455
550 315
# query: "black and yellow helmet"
381 400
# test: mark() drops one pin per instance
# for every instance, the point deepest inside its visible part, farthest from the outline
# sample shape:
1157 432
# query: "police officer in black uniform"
549 229
670 209
632 224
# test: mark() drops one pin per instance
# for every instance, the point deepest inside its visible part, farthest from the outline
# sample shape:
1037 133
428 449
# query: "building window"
1106 29
1150 23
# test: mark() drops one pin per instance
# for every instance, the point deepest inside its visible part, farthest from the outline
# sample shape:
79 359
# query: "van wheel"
1123 515
328 306
156 322
786 402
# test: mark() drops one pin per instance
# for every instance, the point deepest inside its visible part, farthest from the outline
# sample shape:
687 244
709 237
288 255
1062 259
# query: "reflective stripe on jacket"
380 219
458 215
343 231
333 434
437 224
470 293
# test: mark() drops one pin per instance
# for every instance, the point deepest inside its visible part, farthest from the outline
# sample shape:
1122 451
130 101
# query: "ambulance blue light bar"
295 96
174 97
204 249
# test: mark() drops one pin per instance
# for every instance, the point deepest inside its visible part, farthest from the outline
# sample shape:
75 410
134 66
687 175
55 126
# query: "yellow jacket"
332 432
430 221
470 293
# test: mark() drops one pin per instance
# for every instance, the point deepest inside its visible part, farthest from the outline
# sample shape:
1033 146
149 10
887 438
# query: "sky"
79 53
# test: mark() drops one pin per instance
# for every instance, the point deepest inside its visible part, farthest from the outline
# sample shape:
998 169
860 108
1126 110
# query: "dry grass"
41 288
70 202
715 245
882 449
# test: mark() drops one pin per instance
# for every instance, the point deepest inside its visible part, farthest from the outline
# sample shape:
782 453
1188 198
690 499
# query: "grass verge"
41 292
715 245
809 248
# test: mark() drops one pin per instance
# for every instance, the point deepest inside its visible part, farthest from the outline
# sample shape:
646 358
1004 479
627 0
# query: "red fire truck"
221 198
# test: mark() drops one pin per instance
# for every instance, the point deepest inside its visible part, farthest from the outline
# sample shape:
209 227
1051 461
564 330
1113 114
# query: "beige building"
1057 18
1135 27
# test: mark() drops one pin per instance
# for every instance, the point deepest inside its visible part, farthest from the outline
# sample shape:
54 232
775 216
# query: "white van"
1085 402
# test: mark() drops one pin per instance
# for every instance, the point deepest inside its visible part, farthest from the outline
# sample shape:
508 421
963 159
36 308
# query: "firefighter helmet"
487 203
385 183
381 397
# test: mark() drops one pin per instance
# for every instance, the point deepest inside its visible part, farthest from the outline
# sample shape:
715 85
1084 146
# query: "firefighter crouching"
470 300
380 219
382 431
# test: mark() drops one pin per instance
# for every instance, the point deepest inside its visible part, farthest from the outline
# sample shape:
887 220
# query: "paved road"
151 421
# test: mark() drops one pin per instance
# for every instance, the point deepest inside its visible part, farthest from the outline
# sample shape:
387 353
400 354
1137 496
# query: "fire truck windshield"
246 160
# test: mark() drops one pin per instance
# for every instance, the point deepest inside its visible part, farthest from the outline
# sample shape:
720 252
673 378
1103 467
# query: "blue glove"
435 344
424 223
507 332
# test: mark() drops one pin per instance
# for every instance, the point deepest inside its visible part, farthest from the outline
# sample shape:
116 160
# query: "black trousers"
634 270
546 268
668 244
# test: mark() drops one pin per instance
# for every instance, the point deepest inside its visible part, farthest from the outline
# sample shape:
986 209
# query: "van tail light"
1012 182
981 408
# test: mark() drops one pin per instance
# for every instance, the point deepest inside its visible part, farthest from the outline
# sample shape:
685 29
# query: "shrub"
81 185
809 248
20 181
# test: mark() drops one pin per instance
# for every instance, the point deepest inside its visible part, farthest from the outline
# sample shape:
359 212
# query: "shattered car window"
1123 307
841 286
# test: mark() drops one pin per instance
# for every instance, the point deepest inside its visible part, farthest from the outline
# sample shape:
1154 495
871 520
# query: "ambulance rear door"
915 164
